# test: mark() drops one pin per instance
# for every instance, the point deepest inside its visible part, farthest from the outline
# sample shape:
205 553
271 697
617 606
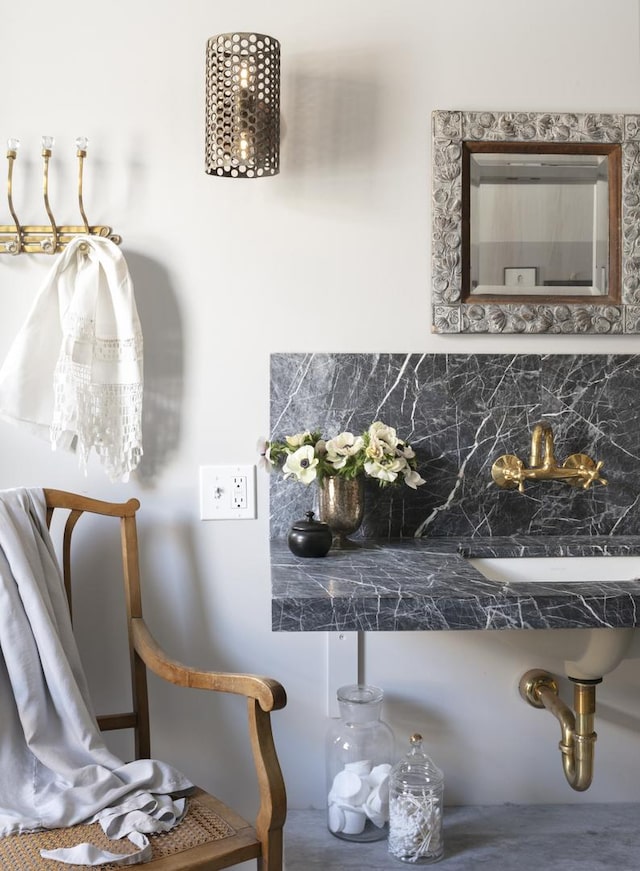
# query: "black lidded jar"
310 538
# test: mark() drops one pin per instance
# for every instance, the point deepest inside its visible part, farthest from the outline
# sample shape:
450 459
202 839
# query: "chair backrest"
136 719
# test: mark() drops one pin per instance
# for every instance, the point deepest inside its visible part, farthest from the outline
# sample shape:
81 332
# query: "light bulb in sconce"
245 77
244 109
81 144
47 143
13 145
244 147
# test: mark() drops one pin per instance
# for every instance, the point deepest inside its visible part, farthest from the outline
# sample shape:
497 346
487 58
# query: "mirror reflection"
539 224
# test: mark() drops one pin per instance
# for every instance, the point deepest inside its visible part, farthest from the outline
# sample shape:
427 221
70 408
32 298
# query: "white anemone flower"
264 449
384 471
405 450
413 479
382 441
383 433
375 470
295 441
301 464
375 449
342 447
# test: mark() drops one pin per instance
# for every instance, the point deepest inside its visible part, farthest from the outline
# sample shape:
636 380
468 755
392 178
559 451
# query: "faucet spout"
542 436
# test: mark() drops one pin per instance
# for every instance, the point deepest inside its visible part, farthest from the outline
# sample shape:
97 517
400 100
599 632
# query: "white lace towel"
74 371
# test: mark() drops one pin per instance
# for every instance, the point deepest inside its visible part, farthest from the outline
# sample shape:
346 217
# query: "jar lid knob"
416 752
309 515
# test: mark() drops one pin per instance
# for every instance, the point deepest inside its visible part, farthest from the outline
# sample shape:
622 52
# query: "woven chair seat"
200 825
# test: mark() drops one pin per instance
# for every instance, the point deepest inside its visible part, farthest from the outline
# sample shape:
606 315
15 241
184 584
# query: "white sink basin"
602 649
564 569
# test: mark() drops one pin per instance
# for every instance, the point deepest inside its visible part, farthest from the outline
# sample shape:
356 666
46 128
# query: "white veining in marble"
429 584
461 412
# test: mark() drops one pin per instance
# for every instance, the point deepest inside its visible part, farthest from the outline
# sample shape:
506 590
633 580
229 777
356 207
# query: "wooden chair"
211 836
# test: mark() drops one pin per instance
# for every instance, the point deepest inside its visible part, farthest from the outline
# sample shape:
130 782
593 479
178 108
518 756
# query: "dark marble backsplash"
460 412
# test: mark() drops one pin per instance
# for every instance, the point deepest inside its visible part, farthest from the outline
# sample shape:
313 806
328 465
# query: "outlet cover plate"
227 492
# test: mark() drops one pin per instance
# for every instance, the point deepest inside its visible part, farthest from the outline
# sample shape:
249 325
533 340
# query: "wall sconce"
243 105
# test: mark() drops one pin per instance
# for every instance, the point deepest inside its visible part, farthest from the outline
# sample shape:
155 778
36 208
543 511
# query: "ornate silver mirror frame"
451 314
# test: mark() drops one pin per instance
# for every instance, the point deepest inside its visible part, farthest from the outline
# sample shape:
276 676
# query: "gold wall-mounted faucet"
578 470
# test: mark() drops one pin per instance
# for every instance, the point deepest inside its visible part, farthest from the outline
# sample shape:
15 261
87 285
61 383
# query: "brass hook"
81 152
48 245
15 245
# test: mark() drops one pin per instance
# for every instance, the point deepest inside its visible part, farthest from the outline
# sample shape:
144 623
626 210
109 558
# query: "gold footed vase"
341 505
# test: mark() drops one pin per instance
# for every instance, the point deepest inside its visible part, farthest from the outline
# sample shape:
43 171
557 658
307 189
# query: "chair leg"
273 799
271 859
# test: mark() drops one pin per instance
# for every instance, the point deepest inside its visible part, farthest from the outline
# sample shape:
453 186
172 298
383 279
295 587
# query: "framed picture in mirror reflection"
520 276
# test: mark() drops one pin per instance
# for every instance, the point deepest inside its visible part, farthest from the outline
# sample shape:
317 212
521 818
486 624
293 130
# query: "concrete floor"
499 838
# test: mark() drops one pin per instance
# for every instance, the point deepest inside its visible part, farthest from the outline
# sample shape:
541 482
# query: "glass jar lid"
416 769
360 694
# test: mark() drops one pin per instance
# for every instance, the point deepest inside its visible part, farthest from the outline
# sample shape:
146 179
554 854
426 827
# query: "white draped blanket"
56 769
74 372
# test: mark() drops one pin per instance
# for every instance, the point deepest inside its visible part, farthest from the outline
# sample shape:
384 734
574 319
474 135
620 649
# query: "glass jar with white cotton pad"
359 754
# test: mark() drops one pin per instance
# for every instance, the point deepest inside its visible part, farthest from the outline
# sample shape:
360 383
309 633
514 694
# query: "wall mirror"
536 223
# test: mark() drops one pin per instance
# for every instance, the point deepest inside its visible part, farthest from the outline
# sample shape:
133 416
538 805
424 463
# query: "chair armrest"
269 693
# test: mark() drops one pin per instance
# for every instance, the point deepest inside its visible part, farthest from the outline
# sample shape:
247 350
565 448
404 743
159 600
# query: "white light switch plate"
227 492
343 665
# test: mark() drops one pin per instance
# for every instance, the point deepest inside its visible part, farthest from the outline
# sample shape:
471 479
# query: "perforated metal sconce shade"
243 105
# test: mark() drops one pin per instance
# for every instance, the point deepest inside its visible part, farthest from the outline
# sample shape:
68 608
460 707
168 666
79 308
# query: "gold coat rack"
48 238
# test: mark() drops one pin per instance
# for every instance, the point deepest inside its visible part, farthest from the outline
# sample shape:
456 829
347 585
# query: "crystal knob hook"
49 245
15 245
81 151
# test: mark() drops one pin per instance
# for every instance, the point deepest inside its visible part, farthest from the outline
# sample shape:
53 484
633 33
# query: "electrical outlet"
239 492
227 492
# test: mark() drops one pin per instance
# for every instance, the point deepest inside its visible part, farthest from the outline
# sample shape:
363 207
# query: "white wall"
331 255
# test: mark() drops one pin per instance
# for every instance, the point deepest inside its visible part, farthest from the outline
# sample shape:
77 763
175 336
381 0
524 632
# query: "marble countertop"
427 584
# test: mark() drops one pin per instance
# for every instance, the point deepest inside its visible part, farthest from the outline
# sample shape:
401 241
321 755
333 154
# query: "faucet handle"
587 470
507 472
595 476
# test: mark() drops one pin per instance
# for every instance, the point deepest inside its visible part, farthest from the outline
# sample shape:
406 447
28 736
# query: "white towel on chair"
55 769
74 371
